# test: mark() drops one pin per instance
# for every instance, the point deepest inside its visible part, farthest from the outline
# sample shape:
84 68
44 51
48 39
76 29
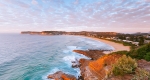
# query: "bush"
147 56
141 53
124 65
141 74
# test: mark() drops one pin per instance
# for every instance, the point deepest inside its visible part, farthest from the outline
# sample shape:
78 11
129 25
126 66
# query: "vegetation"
124 65
142 52
141 74
132 46
147 56
120 52
141 40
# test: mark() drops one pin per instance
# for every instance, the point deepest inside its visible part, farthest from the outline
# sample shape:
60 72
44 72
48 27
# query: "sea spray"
73 56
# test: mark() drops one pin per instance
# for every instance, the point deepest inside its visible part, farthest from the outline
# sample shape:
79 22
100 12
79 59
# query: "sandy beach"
117 46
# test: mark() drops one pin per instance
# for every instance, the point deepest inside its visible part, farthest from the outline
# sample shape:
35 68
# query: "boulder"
75 64
59 75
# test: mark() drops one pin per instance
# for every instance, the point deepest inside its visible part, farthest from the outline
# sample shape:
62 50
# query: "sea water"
34 57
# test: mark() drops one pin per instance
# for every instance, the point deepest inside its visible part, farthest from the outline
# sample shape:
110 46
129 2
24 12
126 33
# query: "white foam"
71 47
73 56
70 56
99 45
44 77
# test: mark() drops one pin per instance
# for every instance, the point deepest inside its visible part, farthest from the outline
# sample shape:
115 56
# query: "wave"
73 57
99 45
44 77
67 59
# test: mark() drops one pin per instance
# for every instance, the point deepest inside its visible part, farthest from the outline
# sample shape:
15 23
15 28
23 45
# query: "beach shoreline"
116 46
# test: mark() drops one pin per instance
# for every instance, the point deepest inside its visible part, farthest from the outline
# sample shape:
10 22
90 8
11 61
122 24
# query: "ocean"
34 57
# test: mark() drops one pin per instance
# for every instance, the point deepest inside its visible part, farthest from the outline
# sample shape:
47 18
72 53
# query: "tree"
141 42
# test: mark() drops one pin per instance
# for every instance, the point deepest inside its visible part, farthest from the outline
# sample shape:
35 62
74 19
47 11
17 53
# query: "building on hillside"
129 41
146 41
127 38
148 36
124 40
118 40
135 43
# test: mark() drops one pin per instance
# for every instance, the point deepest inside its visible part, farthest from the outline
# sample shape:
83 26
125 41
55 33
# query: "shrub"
141 53
124 65
141 74
147 56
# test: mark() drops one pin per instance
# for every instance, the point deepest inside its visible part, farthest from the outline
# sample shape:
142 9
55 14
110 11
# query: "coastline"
99 65
117 46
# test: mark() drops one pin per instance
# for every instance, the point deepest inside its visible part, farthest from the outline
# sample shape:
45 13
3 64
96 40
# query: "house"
148 36
127 38
135 43
146 41
124 40
107 38
119 40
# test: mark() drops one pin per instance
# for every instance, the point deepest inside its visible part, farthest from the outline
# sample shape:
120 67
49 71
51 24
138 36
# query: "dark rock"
80 78
59 75
75 64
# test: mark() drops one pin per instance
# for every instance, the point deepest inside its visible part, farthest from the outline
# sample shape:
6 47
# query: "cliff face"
85 72
97 69
101 68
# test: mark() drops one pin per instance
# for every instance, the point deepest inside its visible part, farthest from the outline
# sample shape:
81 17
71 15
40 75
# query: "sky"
75 15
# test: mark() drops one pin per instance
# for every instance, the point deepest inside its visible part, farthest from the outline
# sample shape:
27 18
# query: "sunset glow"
75 15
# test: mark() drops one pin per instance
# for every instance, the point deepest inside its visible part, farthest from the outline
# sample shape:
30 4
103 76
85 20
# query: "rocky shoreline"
59 75
97 68
84 65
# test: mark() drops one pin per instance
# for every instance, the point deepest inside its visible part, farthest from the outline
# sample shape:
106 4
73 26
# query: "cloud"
76 2
55 14
34 2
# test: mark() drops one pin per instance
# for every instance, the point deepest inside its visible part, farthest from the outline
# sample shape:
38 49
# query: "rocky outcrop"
85 72
61 76
99 66
144 64
75 64
82 64
93 54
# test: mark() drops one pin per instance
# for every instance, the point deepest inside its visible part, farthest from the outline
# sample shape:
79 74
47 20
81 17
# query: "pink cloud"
34 2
